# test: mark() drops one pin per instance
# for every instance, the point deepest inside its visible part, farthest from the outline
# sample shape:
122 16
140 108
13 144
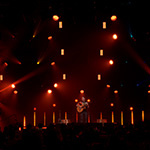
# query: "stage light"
81 91
33 36
65 115
53 63
108 86
24 122
114 36
113 18
142 115
50 37
111 62
55 85
131 108
104 25
99 77
15 92
148 91
55 17
149 85
19 128
34 108
54 105
64 76
101 52
88 100
76 100
6 64
38 63
60 25
116 91
122 118
13 86
1 77
49 91
62 51
111 104
112 117
132 116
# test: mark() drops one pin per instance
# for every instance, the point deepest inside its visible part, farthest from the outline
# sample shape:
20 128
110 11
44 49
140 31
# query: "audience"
76 136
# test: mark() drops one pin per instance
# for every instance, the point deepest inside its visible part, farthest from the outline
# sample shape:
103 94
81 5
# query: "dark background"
82 37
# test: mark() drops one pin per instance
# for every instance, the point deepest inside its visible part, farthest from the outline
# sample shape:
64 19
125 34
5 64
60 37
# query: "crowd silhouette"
76 136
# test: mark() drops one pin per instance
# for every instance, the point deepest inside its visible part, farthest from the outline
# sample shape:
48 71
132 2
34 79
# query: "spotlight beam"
137 58
26 77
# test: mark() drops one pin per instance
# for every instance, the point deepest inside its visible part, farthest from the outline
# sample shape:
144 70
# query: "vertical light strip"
104 25
122 118
101 52
44 119
53 117
65 115
60 25
142 115
112 117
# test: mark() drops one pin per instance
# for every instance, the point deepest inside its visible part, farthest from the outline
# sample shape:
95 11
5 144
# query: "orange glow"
55 85
81 91
62 51
142 115
6 64
60 25
38 63
111 62
104 25
15 92
53 63
108 86
64 76
131 108
76 100
101 53
13 86
53 117
122 118
33 36
55 17
116 91
112 117
24 122
54 105
19 128
132 118
99 77
149 91
88 100
111 104
65 115
50 37
49 91
1 77
34 108
34 118
114 36
113 18
101 116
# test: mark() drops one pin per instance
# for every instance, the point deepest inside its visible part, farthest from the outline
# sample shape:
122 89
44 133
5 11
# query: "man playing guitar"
82 109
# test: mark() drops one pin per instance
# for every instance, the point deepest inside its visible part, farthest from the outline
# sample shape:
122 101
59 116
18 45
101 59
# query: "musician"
82 109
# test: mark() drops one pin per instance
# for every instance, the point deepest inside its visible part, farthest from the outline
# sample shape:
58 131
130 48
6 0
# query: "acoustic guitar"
81 107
